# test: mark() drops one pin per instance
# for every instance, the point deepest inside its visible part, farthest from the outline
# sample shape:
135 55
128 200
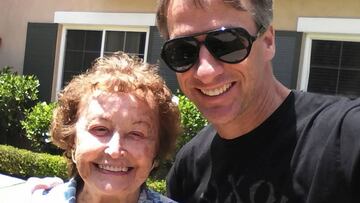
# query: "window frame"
126 22
331 29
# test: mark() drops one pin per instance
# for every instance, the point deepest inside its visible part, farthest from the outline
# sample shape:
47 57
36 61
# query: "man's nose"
208 67
115 146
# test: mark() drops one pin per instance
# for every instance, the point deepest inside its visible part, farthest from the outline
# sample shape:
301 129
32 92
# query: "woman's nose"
115 146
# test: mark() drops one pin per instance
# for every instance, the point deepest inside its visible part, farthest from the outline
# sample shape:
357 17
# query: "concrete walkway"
13 190
6 181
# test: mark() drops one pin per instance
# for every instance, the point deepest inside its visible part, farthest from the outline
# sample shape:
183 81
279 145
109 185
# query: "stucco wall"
286 12
15 14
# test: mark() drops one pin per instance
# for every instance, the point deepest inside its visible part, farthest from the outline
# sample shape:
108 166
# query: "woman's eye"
99 131
137 134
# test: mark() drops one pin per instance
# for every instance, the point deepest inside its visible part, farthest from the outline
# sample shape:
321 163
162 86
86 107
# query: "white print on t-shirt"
234 196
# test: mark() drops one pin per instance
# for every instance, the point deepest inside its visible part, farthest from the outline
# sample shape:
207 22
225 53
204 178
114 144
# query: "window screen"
335 68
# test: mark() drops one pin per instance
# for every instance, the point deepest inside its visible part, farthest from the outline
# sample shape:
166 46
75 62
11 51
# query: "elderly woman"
114 122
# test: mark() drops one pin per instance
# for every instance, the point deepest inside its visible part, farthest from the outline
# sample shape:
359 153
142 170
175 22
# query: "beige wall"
15 14
286 12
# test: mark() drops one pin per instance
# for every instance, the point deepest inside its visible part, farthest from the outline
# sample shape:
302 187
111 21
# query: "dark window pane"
73 61
325 53
351 55
322 80
93 40
349 83
75 39
89 59
114 41
142 43
67 76
84 46
328 77
135 42
79 56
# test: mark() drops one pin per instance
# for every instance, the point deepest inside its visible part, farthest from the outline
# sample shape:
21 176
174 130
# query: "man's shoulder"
322 105
317 98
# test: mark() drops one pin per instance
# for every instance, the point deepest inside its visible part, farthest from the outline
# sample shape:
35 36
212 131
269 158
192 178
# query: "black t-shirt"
308 150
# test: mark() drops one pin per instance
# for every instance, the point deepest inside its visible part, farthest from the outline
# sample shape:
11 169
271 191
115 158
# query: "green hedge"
24 164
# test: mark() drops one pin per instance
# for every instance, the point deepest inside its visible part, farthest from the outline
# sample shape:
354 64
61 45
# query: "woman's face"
116 142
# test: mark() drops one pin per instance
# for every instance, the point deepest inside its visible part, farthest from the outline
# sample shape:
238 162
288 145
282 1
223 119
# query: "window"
335 68
83 46
330 59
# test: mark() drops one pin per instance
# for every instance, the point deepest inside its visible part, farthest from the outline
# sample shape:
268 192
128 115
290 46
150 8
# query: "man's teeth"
216 91
113 168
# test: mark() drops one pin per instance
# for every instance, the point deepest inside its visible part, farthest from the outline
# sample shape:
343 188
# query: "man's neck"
269 100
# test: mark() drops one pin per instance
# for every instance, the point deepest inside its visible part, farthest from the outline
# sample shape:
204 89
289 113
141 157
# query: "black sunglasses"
229 45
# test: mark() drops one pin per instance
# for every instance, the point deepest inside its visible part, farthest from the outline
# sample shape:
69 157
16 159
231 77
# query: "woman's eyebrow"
142 122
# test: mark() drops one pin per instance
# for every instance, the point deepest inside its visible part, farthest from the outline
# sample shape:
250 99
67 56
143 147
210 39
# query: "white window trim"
336 29
94 18
135 22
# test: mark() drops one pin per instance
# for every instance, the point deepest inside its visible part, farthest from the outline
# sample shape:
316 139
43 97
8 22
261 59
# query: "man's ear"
269 40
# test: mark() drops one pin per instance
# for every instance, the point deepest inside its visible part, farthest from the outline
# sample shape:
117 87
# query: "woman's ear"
155 164
73 155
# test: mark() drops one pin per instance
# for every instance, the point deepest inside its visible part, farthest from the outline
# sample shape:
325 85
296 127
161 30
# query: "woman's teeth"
113 168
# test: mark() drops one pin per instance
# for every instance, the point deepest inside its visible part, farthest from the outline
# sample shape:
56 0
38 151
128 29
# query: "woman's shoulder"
149 196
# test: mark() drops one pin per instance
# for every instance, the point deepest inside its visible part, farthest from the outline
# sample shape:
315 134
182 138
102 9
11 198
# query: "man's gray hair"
262 11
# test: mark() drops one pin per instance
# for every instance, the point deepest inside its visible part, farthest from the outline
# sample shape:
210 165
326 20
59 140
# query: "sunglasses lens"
180 54
228 46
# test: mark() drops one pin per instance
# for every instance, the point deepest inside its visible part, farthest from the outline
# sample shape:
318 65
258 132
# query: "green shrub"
17 93
36 125
191 120
157 185
23 163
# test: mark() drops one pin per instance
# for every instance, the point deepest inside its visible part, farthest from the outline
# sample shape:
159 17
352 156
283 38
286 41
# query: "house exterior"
318 42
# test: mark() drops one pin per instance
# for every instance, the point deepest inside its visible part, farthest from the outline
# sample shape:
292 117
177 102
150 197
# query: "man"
265 142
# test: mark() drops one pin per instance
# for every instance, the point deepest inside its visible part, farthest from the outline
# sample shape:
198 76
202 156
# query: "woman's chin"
114 182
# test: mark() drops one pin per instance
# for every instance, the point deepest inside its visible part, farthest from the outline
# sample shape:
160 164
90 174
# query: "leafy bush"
191 120
36 124
17 93
157 185
23 163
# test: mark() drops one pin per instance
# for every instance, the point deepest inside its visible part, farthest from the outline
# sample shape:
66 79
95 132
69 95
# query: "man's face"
221 91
